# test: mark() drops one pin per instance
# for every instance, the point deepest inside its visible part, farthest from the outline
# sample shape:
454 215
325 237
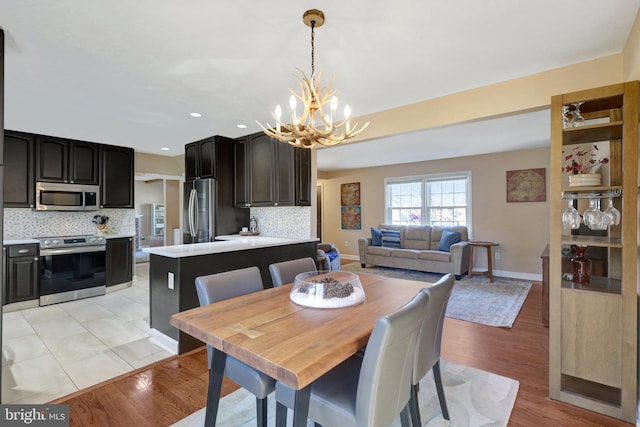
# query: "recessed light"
195 115
165 149
242 126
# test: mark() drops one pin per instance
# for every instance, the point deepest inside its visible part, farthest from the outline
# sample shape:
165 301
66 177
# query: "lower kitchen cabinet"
119 260
22 272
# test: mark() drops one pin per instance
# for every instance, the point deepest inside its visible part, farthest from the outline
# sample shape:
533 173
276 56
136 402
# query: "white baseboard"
164 341
517 275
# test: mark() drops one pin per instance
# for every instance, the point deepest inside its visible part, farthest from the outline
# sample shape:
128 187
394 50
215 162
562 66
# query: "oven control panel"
70 241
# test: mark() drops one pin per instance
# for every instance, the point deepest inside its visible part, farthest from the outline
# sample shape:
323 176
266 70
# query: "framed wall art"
526 185
350 210
350 194
351 217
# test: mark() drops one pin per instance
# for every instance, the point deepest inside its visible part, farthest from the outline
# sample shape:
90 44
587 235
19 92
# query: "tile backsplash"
288 222
20 223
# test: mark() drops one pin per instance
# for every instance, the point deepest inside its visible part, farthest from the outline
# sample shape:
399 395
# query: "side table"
487 245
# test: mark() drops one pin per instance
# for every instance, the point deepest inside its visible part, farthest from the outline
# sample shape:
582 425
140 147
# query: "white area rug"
473 299
474 398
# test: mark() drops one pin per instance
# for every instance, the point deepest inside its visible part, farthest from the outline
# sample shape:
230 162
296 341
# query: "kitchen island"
173 270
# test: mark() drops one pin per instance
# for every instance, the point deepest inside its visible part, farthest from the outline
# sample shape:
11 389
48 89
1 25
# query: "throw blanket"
332 255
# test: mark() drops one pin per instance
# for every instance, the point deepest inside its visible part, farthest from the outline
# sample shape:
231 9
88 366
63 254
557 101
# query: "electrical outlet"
346 243
497 255
170 280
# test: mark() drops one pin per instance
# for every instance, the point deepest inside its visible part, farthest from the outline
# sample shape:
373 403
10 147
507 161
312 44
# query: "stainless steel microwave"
52 196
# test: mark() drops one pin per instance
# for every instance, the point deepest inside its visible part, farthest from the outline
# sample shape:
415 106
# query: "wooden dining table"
291 343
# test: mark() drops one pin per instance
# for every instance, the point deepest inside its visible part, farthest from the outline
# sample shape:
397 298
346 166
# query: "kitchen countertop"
20 242
228 243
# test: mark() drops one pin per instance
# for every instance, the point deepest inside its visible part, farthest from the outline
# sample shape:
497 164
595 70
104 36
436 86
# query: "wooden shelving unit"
593 328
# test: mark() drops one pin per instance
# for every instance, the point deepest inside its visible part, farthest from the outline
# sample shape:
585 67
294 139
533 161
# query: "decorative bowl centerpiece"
327 289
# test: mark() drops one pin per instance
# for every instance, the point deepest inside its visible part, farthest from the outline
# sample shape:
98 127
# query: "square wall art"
526 185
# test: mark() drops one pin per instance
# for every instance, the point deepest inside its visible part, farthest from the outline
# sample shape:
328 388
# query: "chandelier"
315 125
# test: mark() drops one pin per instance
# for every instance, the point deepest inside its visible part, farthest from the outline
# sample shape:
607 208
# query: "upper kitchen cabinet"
19 158
267 172
200 159
303 177
284 174
255 160
66 161
116 177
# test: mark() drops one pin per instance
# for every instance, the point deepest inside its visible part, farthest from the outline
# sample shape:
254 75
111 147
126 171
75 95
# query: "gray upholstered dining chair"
370 391
428 349
284 272
230 284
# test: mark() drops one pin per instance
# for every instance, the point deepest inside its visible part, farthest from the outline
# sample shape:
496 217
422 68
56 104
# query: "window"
442 199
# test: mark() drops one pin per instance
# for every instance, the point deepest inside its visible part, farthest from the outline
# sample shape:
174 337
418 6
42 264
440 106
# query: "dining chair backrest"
429 341
229 284
284 272
385 375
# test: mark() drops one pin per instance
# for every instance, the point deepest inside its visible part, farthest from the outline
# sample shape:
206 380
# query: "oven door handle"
76 250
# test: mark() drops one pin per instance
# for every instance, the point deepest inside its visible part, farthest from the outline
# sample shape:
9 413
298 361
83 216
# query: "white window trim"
431 177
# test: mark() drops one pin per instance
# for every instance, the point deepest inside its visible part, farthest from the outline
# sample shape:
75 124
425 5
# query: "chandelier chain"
313 49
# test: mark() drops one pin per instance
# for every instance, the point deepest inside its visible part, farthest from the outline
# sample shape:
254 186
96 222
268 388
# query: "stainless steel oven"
71 267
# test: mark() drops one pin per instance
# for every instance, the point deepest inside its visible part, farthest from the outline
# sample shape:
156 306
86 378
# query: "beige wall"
631 53
522 229
146 163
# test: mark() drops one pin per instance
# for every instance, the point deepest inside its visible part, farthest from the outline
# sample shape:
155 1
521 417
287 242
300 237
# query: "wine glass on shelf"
612 212
566 120
577 119
594 218
571 217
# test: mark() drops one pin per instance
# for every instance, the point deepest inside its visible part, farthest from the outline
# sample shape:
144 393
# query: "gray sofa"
419 250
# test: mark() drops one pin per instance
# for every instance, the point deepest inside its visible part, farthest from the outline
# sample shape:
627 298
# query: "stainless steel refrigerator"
199 211
209 210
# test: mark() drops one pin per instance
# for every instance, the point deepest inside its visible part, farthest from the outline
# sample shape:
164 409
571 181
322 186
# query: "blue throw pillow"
376 237
390 238
448 238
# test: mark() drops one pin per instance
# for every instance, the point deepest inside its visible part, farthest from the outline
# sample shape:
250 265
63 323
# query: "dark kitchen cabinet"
284 174
66 161
19 159
303 177
116 176
119 261
200 159
265 172
22 272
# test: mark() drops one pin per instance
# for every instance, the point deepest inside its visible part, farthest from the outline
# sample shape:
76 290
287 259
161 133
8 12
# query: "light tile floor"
49 352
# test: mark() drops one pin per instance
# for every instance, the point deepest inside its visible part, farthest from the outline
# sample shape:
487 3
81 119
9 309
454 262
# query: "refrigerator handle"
191 214
196 212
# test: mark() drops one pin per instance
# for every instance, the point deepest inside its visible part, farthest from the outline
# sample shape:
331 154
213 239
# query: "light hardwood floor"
162 394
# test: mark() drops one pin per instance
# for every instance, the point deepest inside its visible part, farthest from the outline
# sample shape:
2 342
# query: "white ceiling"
130 72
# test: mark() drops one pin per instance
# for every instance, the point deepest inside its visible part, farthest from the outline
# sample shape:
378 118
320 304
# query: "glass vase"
581 266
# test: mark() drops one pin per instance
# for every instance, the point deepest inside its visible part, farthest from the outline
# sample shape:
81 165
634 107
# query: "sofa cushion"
399 228
448 238
436 234
376 237
435 256
405 253
378 250
390 238
417 237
